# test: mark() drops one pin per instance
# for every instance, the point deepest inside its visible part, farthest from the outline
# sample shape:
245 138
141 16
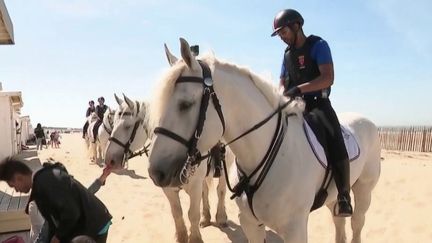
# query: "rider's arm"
322 55
324 80
282 76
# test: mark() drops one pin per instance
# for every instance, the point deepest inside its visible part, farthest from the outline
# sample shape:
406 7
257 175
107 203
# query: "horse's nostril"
159 177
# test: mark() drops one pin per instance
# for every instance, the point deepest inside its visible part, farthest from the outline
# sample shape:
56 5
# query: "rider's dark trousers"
85 128
95 129
337 154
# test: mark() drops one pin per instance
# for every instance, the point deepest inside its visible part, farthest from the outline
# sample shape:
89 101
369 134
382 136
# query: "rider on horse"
100 111
90 110
307 71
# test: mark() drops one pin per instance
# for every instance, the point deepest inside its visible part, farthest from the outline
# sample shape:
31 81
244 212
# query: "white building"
25 129
10 109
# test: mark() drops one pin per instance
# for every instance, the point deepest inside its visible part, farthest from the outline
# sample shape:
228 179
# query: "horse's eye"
184 105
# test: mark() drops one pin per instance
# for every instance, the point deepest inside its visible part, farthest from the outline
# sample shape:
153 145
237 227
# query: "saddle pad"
351 144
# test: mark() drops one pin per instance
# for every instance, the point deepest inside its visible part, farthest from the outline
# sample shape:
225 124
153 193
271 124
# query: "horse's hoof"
205 223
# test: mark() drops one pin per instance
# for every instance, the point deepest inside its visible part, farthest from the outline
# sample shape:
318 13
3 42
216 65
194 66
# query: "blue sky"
70 51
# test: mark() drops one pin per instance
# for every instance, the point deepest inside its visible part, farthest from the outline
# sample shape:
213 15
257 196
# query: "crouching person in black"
68 207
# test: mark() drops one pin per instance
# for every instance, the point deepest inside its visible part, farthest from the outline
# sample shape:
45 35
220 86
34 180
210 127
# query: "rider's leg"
85 129
95 129
338 157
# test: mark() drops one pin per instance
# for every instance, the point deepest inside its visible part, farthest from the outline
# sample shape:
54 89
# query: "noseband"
128 154
194 156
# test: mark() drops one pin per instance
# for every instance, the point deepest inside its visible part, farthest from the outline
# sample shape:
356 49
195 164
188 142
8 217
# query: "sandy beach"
400 211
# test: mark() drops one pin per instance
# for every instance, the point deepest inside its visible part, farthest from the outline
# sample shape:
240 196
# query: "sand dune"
400 211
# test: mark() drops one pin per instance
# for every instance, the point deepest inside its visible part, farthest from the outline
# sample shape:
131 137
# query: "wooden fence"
414 138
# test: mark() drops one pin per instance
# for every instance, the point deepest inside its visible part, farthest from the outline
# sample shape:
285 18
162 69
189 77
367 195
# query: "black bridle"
194 155
110 123
128 154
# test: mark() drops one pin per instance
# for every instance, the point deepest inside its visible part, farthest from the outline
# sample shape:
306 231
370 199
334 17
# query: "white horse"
97 148
104 132
286 193
91 119
133 114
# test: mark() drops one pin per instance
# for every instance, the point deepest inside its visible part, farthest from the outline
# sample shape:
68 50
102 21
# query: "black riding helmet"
286 17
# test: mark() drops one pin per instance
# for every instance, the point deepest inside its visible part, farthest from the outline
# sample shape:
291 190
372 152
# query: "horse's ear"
171 58
187 55
119 101
129 102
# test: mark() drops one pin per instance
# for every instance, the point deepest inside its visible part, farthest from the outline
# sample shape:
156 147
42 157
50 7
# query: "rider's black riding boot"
341 171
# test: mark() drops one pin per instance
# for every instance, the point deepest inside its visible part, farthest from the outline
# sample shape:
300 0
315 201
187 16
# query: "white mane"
167 84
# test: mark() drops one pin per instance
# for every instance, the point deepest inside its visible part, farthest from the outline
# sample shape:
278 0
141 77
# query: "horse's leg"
362 198
102 150
195 194
221 216
254 230
177 213
93 152
295 229
339 222
206 217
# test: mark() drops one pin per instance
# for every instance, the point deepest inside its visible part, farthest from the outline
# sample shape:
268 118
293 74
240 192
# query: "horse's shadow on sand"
236 234
130 173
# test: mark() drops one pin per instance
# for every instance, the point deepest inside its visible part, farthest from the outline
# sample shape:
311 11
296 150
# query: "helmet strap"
295 31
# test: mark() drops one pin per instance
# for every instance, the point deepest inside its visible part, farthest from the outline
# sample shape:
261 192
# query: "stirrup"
347 209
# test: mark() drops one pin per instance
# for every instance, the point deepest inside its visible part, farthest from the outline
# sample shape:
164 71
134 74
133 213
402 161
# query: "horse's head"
129 131
185 117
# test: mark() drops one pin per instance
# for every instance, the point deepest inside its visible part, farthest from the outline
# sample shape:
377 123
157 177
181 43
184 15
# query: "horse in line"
194 102
97 148
129 134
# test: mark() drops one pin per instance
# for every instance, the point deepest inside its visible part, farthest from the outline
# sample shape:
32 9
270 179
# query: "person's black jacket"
68 207
39 132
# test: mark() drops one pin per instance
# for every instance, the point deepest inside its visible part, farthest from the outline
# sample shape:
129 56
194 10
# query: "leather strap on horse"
140 152
194 154
127 152
109 131
265 164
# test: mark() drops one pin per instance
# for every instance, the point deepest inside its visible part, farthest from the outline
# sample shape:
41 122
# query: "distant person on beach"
46 137
90 110
69 208
100 111
40 135
56 139
52 138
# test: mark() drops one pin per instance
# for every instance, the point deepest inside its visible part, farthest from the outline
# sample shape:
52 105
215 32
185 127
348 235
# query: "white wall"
26 129
6 139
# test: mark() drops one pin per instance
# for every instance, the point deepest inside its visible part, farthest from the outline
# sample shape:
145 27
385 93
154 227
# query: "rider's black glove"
293 92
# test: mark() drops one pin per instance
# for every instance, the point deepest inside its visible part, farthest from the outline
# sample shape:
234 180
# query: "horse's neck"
243 106
106 123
